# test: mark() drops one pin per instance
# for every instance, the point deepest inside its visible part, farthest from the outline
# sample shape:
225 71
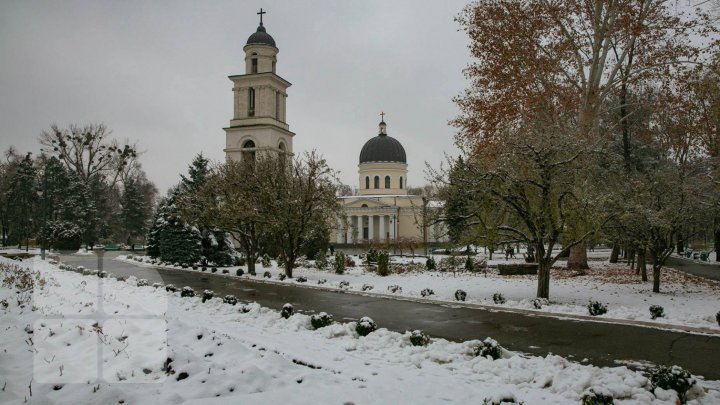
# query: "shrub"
383 261
717 317
366 287
503 398
321 320
372 255
170 288
225 271
430 263
339 263
265 261
240 261
301 279
157 285
672 378
488 347
142 282
120 278
656 311
597 308
321 261
590 397
349 262
282 276
230 299
184 266
365 326
239 272
499 298
426 292
203 268
394 289
344 284
194 267
267 274
419 338
538 303
214 269
287 311
460 295
187 292
468 264
207 294
322 281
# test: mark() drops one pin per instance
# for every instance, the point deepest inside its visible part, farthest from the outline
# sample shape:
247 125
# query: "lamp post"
424 224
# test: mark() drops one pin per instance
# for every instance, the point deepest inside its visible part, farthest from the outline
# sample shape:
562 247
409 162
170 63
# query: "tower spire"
261 14
383 126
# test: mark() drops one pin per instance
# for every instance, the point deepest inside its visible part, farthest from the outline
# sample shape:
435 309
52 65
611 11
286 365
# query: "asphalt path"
598 343
702 269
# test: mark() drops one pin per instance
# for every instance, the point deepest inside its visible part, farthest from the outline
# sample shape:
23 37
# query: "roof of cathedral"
383 148
261 37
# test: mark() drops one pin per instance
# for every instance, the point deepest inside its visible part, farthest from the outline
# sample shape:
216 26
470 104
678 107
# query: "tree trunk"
289 263
680 246
615 254
577 259
717 239
656 274
642 264
543 290
631 258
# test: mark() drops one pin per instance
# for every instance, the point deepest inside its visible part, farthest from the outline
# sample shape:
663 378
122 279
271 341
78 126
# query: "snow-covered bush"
102 274
717 317
230 299
430 263
372 255
142 282
267 274
657 311
239 261
321 261
301 279
504 398
225 271
207 295
265 260
170 288
287 311
426 292
593 397
187 292
321 320
339 263
596 308
344 284
322 281
469 264
460 295
239 272
365 326
538 303
203 268
214 269
120 278
194 267
282 276
419 338
366 287
499 298
157 285
672 378
184 265
383 261
394 289
488 347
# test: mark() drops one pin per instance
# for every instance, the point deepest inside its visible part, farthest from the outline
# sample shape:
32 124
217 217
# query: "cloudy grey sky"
156 72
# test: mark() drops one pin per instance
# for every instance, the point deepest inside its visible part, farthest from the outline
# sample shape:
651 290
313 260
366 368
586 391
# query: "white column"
371 229
393 227
360 227
382 228
339 231
349 229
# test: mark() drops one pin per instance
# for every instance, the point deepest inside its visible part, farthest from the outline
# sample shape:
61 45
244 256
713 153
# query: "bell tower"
259 120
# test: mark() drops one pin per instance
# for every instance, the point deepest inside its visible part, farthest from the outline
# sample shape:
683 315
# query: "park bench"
517 269
705 256
111 246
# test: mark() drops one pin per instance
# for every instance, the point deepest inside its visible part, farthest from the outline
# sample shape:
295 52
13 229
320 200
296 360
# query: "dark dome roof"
260 37
383 148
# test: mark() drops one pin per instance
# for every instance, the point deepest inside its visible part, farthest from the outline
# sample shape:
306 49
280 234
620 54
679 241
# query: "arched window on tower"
377 182
401 182
367 182
281 146
387 181
254 66
277 105
249 152
251 102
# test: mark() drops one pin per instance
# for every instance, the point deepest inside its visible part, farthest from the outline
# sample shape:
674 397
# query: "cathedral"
383 211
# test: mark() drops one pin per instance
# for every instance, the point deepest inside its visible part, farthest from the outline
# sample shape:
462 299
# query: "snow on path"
84 349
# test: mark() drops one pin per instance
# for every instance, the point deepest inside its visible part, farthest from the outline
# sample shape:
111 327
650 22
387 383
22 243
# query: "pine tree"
22 198
133 214
170 238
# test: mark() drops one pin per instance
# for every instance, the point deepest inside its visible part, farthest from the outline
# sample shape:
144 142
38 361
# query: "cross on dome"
261 14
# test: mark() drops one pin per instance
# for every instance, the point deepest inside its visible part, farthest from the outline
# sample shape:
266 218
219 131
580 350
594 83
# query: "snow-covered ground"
90 340
688 301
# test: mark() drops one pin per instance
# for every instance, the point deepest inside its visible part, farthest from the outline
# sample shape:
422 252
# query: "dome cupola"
382 148
261 37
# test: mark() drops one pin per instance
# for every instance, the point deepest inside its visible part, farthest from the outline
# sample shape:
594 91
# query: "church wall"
394 170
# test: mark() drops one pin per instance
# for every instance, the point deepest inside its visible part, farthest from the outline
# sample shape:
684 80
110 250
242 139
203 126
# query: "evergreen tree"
21 200
170 238
134 213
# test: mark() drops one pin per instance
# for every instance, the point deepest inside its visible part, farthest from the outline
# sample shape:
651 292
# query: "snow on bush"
657 311
322 281
225 271
717 317
426 292
239 272
499 298
366 287
460 295
339 263
394 288
504 398
672 378
365 326
597 396
214 269
207 295
419 338
187 292
469 264
265 260
170 288
282 276
596 308
344 284
142 282
267 274
301 279
430 263
488 348
157 285
383 262
538 303
102 274
230 299
287 311
321 320
321 261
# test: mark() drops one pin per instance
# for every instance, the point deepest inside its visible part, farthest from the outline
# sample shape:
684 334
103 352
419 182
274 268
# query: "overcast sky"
156 72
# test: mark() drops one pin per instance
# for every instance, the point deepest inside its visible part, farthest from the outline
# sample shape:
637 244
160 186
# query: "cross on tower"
261 14
382 116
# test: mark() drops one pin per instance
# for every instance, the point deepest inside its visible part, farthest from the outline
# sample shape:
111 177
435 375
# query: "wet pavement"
602 344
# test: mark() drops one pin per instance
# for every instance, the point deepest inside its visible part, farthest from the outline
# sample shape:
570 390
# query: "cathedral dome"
261 37
382 148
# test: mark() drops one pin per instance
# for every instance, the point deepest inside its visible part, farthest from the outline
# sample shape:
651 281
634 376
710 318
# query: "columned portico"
382 228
